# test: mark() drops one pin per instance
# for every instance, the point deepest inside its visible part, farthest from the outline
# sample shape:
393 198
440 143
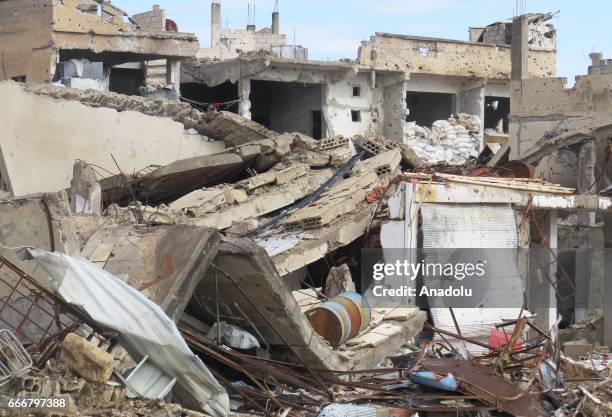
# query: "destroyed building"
566 133
90 44
172 258
229 43
395 80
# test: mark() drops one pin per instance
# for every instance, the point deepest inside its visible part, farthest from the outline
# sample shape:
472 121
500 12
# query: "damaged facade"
395 82
213 256
88 44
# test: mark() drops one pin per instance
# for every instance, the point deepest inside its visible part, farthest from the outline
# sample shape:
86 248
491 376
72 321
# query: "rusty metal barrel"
340 318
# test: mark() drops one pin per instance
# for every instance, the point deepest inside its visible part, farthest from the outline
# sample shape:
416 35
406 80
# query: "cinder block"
287 175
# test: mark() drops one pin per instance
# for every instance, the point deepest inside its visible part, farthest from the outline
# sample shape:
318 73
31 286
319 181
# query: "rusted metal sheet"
488 387
29 310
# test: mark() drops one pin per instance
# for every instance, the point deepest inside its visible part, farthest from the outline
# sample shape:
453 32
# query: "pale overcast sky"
333 29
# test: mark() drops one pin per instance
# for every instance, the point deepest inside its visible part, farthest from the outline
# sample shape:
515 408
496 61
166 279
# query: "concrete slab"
246 286
165 263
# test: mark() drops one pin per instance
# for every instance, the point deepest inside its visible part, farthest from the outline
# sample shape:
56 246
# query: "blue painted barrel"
340 318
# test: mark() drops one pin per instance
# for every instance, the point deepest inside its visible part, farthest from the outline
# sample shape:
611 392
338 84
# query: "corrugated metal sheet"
291 51
479 227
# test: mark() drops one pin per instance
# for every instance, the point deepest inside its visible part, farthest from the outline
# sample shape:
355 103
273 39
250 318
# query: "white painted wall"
42 137
339 102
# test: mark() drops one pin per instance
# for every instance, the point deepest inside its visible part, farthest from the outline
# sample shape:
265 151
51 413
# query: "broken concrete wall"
42 138
153 20
416 54
26 57
544 109
41 221
394 110
352 106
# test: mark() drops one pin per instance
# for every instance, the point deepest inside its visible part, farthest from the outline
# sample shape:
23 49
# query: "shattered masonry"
184 231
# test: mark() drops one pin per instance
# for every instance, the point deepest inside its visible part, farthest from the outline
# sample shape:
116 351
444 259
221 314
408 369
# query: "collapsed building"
179 257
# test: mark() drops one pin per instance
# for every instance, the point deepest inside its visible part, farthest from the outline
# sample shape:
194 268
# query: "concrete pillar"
520 48
244 92
541 295
520 71
587 159
275 23
173 74
215 24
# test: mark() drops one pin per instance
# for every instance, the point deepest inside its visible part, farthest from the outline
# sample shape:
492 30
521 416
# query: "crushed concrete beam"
265 199
181 177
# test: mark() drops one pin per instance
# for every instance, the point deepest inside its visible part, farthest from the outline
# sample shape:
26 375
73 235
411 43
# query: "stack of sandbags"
451 141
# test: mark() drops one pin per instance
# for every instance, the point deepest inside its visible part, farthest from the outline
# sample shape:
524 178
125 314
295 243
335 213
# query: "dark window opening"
497 114
356 91
19 79
126 81
426 108
317 124
355 115
288 107
222 97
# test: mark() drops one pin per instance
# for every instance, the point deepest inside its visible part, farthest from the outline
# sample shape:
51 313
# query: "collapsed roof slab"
164 263
181 177
225 126
245 285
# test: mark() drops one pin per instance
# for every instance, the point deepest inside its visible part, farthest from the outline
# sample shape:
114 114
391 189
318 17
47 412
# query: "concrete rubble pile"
453 141
207 285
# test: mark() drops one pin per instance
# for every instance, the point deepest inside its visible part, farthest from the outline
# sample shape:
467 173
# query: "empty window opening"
220 97
356 91
497 114
126 81
355 115
426 108
288 107
19 79
424 51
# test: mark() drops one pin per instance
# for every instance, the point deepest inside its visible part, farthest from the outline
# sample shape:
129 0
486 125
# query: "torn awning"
142 326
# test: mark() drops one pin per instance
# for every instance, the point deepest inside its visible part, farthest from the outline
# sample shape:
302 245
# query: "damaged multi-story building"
394 80
91 44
